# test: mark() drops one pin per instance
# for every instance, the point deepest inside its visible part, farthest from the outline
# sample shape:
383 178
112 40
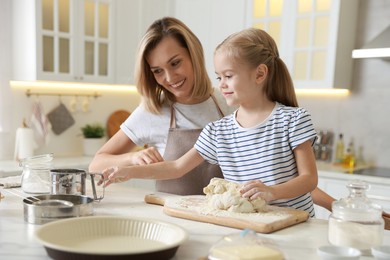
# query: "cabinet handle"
376 197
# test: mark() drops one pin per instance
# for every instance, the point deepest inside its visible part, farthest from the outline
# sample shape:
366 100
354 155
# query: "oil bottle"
349 158
339 156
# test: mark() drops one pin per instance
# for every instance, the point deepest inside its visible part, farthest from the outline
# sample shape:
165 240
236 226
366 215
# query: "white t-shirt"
143 127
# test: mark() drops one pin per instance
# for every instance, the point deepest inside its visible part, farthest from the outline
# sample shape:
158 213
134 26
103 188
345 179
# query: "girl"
266 144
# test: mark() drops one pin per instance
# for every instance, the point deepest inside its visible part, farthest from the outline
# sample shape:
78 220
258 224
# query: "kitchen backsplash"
68 142
323 147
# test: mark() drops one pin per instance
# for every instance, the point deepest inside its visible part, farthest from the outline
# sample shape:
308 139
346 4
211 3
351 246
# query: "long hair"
254 47
153 94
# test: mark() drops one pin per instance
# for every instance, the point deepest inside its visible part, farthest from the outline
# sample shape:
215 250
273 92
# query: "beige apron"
179 142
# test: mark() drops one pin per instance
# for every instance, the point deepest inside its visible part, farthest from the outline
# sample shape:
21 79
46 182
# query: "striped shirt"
263 152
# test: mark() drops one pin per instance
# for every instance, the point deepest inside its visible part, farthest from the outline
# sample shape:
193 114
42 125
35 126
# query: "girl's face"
172 68
238 82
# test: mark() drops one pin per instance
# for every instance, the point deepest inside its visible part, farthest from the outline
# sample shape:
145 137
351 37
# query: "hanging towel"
40 124
60 119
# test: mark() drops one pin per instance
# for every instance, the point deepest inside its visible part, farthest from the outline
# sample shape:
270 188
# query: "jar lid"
357 207
38 159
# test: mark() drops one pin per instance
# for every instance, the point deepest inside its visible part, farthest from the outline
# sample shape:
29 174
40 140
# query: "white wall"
69 143
5 73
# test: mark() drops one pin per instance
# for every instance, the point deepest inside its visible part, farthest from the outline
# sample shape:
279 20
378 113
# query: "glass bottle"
340 150
36 174
356 221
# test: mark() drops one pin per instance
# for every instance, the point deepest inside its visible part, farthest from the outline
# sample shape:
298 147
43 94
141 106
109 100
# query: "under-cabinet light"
371 53
322 92
70 86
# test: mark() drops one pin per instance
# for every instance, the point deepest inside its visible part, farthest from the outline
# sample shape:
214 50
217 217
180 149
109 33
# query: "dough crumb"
225 195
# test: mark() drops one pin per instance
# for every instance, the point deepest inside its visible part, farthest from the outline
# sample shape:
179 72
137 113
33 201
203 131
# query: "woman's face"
172 68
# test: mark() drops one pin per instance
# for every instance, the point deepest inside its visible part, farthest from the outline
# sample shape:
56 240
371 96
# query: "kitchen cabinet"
315 38
133 17
212 22
334 183
64 40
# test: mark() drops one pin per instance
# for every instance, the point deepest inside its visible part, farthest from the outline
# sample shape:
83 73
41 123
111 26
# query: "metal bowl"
111 237
55 207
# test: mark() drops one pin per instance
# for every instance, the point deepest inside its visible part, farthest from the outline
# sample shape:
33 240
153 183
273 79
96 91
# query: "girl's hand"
147 156
256 189
113 175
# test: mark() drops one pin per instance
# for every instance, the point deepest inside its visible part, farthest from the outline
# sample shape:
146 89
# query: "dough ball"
225 195
244 206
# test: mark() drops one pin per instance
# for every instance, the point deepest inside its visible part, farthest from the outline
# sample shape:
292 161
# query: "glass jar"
356 221
36 174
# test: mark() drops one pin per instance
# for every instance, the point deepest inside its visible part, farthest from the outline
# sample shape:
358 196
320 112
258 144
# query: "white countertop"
328 170
11 167
17 237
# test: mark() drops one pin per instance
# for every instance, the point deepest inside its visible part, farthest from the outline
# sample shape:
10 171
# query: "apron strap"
217 105
173 118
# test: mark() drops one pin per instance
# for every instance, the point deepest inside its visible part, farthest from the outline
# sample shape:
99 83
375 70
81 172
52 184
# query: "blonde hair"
254 47
152 93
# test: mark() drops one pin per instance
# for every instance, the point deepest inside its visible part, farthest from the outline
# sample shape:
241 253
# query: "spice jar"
36 174
356 221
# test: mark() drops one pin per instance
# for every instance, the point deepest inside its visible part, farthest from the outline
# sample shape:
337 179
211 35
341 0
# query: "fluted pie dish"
111 237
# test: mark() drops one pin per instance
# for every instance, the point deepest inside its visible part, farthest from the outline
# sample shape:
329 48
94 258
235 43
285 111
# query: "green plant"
93 130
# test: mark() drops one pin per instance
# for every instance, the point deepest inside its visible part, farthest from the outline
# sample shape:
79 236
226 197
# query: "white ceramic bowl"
338 253
110 237
381 252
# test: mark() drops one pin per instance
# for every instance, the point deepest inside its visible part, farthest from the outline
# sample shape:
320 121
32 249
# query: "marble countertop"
17 239
11 167
332 171
329 170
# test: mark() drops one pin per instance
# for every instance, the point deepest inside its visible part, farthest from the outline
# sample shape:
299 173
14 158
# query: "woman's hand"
256 189
147 156
113 175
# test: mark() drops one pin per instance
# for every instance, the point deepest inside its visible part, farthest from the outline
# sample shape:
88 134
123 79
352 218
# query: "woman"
177 102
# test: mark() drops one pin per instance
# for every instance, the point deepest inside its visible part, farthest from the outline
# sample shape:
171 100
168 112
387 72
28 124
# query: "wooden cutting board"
115 120
194 208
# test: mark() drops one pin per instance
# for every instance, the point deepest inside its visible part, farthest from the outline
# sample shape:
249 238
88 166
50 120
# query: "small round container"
245 245
338 253
54 207
381 252
356 221
36 174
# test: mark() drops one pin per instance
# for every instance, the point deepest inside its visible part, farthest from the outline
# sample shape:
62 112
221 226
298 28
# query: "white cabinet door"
315 38
133 17
212 22
380 194
335 188
67 40
377 193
